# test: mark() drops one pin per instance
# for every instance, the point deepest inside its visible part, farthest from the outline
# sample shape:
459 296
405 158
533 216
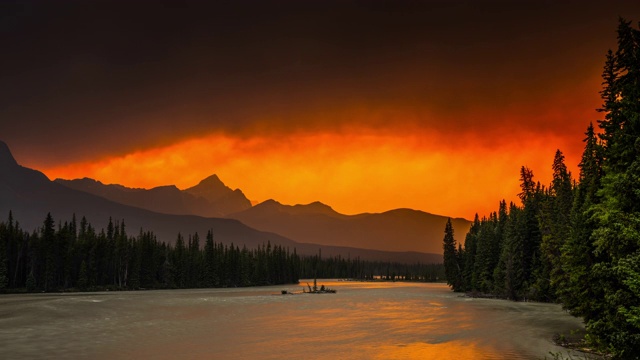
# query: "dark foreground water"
361 321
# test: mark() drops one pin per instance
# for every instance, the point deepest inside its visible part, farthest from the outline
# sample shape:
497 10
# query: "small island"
316 290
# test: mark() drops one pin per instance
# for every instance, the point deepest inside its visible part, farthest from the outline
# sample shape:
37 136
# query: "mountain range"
210 198
30 195
394 230
398 235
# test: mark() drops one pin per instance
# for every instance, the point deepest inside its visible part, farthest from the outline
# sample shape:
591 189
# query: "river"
361 321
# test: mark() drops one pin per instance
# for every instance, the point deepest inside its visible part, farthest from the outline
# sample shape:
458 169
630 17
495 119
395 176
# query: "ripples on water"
361 321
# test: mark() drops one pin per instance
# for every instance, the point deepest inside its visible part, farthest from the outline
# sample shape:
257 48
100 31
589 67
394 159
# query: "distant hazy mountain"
30 195
220 195
395 230
210 198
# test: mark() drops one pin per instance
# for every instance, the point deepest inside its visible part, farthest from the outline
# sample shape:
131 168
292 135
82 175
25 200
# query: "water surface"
361 321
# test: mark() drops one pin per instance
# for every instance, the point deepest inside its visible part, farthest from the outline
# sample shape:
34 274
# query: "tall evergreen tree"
211 275
47 251
579 243
617 216
469 276
4 240
527 231
451 265
555 225
510 275
578 290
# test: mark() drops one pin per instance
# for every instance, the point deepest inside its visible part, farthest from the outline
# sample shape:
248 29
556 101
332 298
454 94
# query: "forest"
72 256
577 240
76 256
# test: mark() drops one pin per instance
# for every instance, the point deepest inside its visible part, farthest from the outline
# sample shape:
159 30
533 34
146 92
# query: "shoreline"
574 341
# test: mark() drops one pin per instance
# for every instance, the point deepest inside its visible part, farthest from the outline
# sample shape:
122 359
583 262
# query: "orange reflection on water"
447 350
375 320
407 324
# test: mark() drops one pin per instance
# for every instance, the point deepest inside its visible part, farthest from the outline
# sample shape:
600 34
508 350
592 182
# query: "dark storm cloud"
85 79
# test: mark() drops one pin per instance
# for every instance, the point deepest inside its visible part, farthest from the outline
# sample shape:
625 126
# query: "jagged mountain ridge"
394 230
30 195
210 198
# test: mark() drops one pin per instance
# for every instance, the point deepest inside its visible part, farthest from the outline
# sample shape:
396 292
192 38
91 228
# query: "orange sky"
352 173
365 106
354 170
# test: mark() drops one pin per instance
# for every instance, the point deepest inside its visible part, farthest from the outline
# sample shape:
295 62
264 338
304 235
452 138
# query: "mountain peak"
210 188
211 180
315 207
6 158
270 203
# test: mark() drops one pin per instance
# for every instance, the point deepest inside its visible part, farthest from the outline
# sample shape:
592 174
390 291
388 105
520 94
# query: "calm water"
361 321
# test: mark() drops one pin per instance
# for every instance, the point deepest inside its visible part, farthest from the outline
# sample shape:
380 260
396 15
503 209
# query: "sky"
366 106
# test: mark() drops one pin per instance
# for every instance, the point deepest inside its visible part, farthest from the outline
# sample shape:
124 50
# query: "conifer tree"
617 216
470 249
510 275
47 242
209 261
555 226
451 265
4 278
578 290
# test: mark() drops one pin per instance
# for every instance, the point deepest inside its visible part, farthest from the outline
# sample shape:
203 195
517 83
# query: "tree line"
76 256
338 267
576 241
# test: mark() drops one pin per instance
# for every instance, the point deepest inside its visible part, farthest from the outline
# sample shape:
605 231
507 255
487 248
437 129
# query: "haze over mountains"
399 235
30 195
210 198
394 230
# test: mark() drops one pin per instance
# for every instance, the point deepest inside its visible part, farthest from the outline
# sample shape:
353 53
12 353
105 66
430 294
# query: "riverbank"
574 340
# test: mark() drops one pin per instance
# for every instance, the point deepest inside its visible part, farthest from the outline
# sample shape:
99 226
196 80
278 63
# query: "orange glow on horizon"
370 157
354 173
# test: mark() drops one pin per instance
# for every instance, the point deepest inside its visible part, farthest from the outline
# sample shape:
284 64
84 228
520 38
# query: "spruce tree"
617 216
469 277
210 261
451 266
555 226
510 275
48 238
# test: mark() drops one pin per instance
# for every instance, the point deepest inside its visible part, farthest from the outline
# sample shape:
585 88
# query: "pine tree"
4 276
48 252
509 276
451 265
4 245
617 216
179 262
579 290
555 226
470 249
210 261
527 233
